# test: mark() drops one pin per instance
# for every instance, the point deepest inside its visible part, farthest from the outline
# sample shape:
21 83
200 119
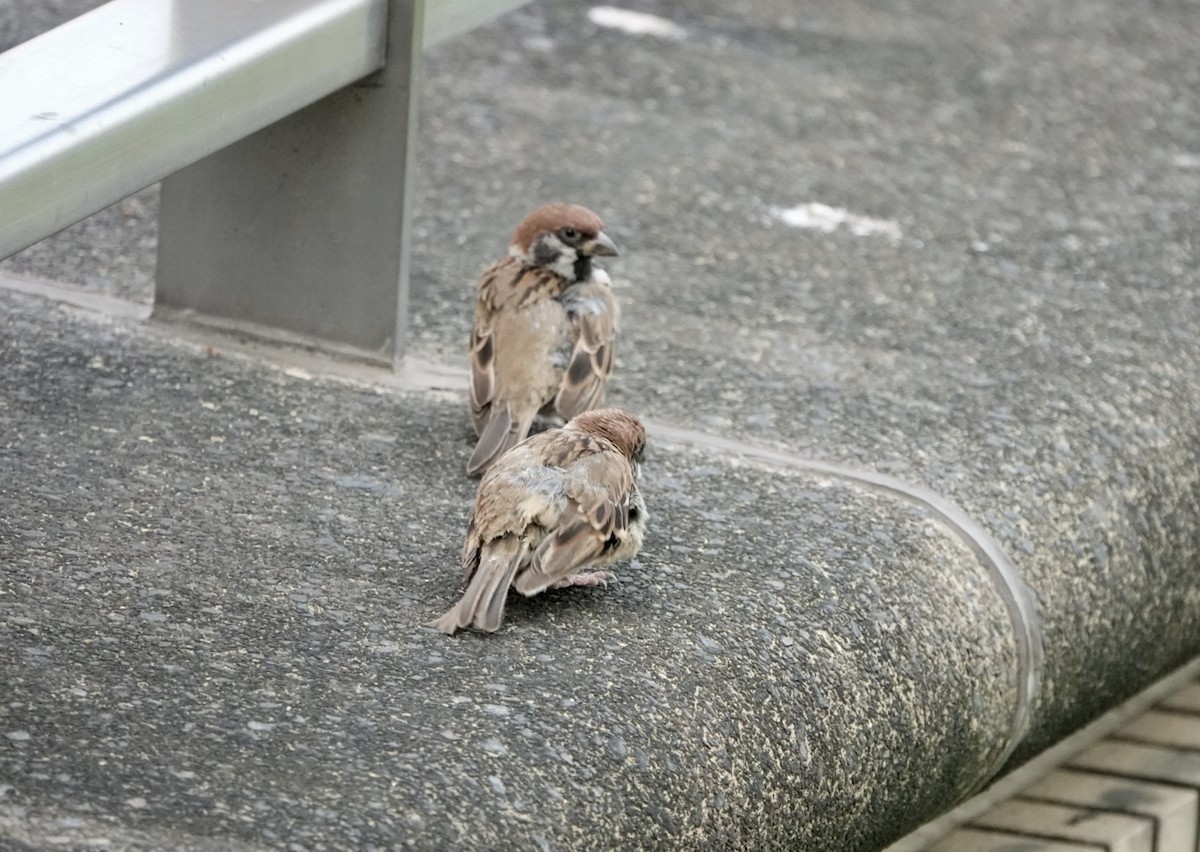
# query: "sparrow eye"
569 234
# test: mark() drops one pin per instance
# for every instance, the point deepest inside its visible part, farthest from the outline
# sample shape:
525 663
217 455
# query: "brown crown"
555 217
618 426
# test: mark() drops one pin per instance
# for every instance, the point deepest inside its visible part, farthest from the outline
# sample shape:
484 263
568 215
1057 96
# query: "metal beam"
286 162
119 98
301 230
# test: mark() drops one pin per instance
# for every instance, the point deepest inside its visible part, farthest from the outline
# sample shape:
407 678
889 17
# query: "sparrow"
557 506
545 320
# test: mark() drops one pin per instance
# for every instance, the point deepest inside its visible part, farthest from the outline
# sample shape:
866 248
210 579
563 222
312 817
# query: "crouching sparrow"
551 512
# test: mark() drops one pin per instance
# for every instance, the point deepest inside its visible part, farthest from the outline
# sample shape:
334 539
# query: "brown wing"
501 432
518 329
593 523
494 291
523 495
592 317
482 357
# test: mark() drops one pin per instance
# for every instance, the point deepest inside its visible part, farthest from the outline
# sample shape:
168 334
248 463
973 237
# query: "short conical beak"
600 246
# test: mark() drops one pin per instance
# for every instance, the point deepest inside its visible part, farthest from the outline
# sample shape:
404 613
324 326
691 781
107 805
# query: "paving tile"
1137 760
1173 808
1119 832
1186 700
1165 728
976 840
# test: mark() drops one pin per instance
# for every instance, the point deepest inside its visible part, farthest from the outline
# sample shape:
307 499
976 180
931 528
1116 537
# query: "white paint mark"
635 23
816 216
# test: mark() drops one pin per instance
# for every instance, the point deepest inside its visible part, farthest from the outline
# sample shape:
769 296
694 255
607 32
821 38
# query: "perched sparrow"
559 503
544 325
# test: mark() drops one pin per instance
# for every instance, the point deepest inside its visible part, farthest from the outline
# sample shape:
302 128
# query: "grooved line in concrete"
1026 625
416 375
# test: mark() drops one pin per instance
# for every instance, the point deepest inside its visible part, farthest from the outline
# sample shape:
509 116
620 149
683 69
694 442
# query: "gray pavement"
215 592
216 572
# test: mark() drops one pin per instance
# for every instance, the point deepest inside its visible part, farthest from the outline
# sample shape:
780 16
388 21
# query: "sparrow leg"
588 579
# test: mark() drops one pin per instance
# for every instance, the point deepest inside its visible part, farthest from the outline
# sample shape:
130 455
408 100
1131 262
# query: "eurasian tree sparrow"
544 329
553 509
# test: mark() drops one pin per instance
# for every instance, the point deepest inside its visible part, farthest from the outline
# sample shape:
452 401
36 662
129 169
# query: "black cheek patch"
611 543
544 254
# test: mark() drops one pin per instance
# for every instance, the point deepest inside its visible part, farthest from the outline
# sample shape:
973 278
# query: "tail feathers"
499 435
482 604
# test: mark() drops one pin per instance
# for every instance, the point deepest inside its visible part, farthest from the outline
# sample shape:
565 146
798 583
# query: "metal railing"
282 132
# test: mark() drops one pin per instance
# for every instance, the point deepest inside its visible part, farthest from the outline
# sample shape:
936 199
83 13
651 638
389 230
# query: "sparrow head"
620 427
563 238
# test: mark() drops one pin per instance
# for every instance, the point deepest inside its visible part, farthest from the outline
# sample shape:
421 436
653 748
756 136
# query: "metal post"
303 227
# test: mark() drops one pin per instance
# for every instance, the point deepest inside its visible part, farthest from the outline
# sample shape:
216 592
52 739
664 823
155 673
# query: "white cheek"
565 265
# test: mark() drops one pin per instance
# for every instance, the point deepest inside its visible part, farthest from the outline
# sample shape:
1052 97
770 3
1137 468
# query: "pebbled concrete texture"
1006 313
217 576
1026 345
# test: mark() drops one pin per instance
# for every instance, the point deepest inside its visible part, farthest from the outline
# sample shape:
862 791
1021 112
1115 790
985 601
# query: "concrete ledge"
219 581
216 592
